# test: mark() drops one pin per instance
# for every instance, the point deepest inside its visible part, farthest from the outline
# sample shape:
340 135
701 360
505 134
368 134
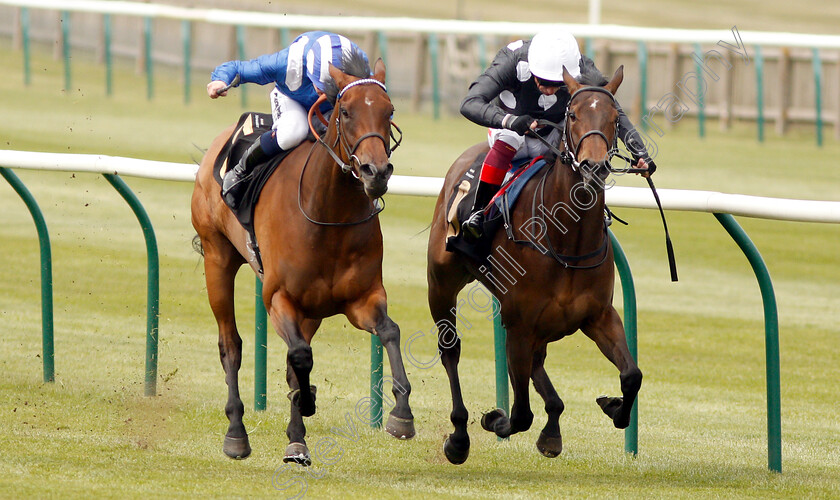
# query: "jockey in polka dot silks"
525 83
298 73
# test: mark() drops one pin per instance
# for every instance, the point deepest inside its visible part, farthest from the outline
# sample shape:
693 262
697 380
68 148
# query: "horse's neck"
575 222
329 194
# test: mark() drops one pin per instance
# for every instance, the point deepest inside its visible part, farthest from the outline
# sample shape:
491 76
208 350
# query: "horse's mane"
353 63
591 76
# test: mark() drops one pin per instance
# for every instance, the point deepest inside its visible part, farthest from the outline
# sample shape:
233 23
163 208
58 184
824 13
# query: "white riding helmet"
551 50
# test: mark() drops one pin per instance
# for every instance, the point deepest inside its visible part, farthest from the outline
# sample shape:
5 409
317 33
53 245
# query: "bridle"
568 156
350 152
572 148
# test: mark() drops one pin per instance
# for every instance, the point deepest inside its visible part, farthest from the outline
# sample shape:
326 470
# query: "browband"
361 82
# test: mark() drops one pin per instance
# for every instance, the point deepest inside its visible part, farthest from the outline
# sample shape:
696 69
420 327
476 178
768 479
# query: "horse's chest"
553 313
325 292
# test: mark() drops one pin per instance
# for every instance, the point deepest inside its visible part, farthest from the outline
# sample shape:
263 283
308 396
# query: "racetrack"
702 407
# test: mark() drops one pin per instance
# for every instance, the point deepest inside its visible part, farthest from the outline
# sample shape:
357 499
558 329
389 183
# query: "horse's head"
362 119
592 125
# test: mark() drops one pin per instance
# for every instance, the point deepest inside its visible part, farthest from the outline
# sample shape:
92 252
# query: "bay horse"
560 283
321 247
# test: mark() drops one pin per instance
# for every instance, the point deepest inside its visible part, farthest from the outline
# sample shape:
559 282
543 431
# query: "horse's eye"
572 116
344 113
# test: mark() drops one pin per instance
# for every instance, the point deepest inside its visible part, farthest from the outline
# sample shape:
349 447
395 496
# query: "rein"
379 203
567 261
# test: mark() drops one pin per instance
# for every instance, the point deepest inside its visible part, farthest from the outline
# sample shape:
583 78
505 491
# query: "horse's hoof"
237 448
610 406
489 419
454 454
400 428
549 446
297 453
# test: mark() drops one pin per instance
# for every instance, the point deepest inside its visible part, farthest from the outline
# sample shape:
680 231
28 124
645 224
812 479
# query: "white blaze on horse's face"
594 103
368 101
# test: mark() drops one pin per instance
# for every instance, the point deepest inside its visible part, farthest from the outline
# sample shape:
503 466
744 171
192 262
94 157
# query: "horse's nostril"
367 170
389 169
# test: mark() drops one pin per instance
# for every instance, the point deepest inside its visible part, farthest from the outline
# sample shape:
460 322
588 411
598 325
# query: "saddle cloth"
248 130
463 198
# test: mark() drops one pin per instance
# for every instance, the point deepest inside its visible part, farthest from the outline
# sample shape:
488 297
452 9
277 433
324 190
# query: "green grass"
702 406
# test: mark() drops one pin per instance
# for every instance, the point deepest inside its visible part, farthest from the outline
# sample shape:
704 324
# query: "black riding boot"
474 225
233 184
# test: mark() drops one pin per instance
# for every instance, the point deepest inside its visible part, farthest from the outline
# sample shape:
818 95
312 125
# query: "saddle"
497 212
248 130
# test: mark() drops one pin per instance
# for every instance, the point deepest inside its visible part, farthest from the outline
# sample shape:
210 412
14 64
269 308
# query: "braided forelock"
354 63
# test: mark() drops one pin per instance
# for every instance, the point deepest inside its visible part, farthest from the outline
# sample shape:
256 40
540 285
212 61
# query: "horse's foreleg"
520 360
370 314
288 322
550 442
220 265
608 333
442 306
296 430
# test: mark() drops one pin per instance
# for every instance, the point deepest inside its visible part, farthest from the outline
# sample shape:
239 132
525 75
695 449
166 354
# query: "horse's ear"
617 78
379 70
338 76
570 82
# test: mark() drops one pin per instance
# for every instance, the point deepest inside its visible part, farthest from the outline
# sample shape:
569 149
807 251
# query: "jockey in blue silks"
298 73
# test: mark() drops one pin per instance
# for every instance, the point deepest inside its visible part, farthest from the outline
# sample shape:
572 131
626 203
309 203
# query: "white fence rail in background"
617 196
457 50
402 24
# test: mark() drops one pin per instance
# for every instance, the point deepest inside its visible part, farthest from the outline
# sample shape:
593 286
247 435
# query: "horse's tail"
196 244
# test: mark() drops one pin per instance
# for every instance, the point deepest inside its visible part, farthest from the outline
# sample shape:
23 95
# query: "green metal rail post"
260 350
109 69
642 55
375 382
153 281
759 93
382 41
701 90
186 40
147 43
65 49
240 47
24 27
500 346
817 63
482 52
628 289
47 344
771 339
433 56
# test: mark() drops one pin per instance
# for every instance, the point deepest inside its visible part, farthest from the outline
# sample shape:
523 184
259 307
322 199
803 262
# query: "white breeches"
289 120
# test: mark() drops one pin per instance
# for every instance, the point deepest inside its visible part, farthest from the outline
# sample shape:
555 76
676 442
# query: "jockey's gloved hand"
520 124
651 166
